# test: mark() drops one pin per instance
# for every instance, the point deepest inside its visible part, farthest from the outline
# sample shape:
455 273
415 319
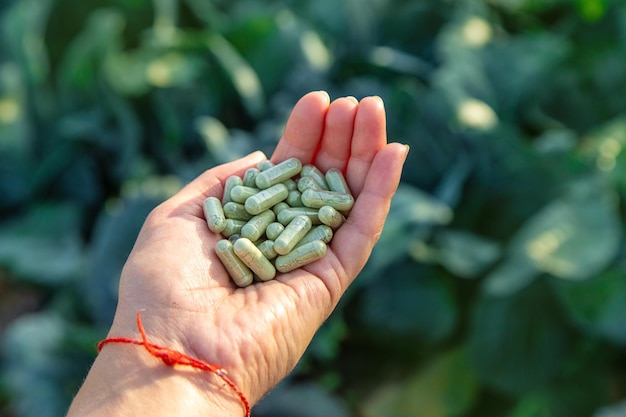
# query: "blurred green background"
498 287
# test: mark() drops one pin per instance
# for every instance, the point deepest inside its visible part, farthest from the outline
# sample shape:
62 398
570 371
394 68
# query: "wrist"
127 379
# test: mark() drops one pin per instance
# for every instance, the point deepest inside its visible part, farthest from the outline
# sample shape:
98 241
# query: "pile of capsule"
276 218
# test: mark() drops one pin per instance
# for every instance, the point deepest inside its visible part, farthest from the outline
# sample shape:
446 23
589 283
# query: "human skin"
189 303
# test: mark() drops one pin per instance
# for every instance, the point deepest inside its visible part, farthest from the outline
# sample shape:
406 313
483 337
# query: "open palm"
258 333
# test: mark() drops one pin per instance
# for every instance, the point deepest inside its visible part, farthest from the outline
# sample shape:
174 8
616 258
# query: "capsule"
320 232
300 256
231 182
318 198
255 227
265 199
254 259
304 183
279 207
240 193
286 215
291 184
264 165
294 199
293 233
236 211
317 175
214 214
331 217
238 271
273 230
250 176
336 181
232 227
278 173
267 249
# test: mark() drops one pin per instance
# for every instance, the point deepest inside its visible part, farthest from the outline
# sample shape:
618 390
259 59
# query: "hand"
258 333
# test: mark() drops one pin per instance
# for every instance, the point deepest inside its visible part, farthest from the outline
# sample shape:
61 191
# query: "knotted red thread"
172 357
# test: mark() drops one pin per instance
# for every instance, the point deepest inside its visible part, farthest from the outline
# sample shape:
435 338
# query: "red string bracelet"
171 357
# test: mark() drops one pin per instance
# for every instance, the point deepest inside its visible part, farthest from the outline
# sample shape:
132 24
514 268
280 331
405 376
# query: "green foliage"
498 285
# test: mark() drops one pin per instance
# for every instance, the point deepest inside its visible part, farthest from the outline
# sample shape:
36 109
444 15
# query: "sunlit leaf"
446 387
244 79
598 304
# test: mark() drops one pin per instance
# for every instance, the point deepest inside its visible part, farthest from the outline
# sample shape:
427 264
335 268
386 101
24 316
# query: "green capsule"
255 227
294 199
250 176
304 183
318 198
321 232
300 256
265 199
232 227
236 211
278 173
231 182
214 214
267 249
273 230
240 193
254 259
286 215
264 165
336 181
293 233
331 217
280 206
317 175
238 271
291 184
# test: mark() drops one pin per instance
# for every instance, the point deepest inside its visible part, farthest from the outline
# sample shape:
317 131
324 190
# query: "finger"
338 129
356 238
368 138
304 129
211 182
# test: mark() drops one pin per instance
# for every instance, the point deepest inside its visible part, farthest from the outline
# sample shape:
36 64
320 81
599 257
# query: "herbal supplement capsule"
317 175
291 184
267 249
319 198
255 227
331 217
304 183
264 165
286 215
250 176
231 182
236 211
273 230
336 181
300 256
321 232
278 207
278 173
238 271
232 227
294 199
254 259
293 233
265 199
214 214
240 193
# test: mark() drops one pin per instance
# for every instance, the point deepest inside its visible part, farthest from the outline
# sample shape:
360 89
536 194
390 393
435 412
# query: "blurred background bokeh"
498 287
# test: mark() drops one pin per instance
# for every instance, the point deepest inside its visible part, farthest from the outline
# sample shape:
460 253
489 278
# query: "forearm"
127 380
